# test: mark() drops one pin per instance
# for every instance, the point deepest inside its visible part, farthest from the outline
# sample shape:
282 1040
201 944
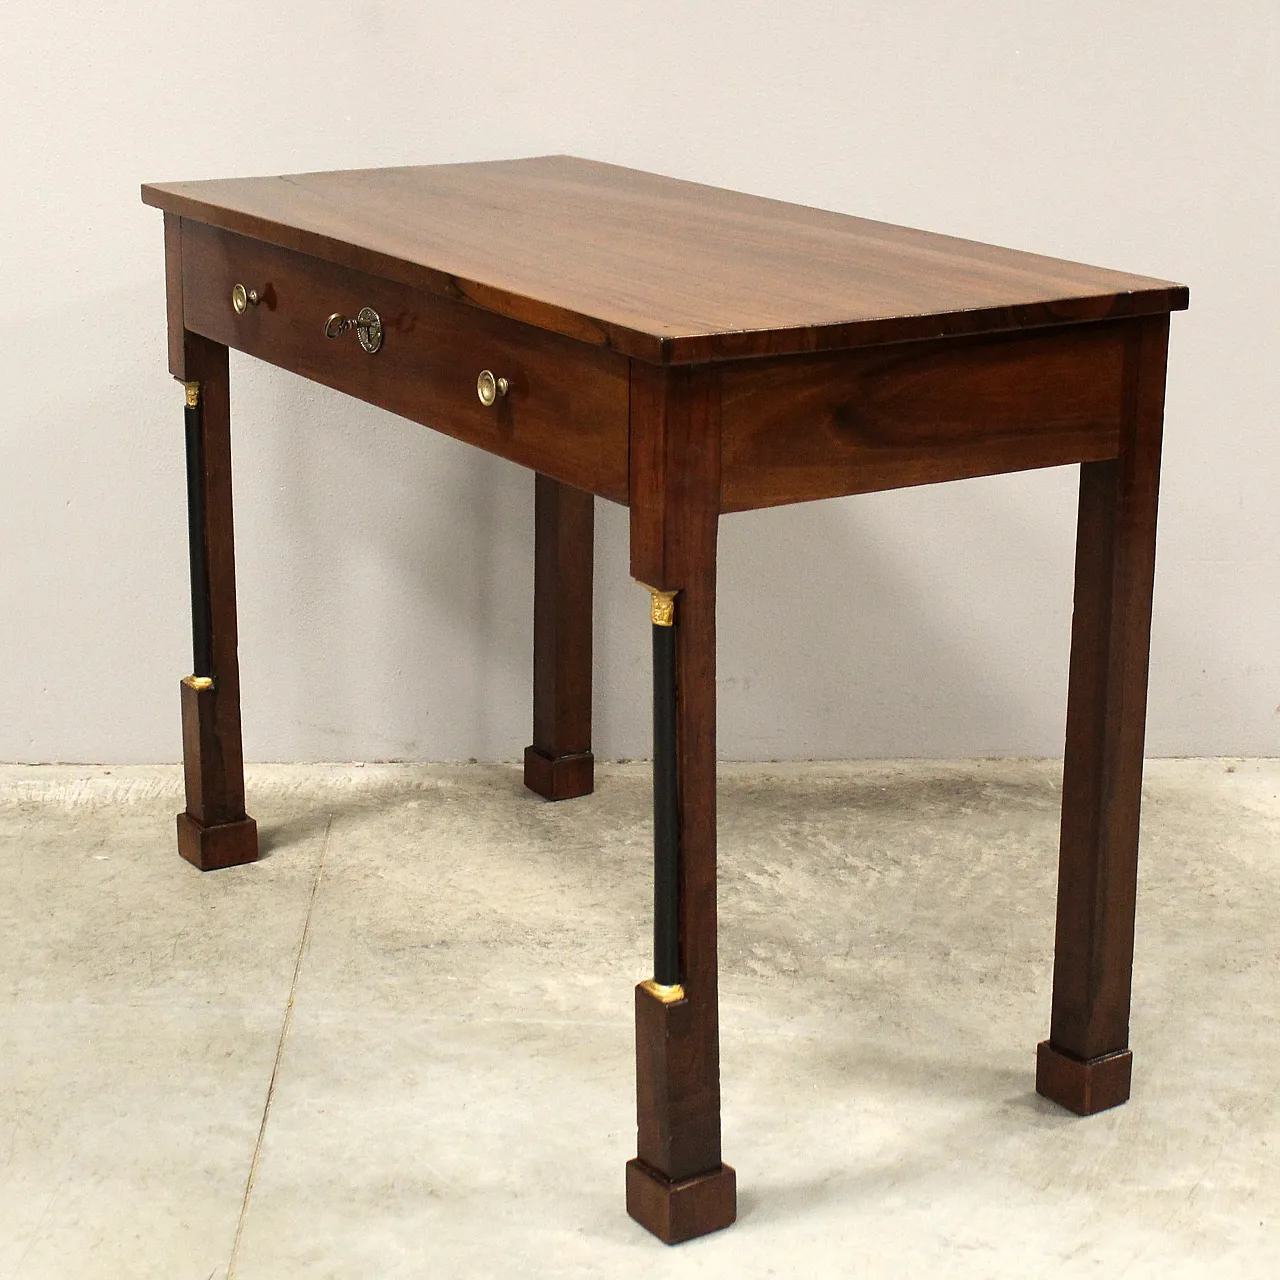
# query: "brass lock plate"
367 324
369 329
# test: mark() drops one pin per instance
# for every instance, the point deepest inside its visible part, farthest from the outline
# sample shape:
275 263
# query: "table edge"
674 349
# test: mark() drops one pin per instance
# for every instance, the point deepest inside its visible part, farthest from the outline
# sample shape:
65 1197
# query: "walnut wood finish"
173 293
214 831
805 427
680 1211
664 270
565 412
559 764
1083 1087
689 351
675 484
1106 719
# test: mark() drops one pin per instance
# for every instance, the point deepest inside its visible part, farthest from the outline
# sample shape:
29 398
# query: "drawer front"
565 412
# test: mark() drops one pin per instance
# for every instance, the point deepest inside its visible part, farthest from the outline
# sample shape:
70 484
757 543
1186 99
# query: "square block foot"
1083 1087
228 844
559 777
677 1211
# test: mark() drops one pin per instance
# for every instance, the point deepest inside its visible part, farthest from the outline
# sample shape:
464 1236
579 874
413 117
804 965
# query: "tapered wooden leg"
1086 1063
214 831
559 765
678 1187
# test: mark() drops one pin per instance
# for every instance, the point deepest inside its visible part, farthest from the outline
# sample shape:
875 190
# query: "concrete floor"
400 1045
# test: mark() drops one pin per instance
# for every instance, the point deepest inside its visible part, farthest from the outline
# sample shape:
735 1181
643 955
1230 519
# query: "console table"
688 352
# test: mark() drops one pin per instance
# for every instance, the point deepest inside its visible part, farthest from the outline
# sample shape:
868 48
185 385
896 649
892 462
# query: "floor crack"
275 1070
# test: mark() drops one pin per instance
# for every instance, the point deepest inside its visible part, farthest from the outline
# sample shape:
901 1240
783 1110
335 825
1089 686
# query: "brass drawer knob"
489 388
242 299
367 324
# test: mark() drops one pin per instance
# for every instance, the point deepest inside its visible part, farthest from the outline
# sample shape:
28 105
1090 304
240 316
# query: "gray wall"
385 572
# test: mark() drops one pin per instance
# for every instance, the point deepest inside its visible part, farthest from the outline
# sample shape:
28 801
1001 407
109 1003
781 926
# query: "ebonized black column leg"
214 831
201 628
666 813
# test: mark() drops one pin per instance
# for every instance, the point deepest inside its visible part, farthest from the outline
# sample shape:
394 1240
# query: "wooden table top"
660 269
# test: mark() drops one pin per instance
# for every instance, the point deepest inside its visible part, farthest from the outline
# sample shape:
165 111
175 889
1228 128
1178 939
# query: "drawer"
565 412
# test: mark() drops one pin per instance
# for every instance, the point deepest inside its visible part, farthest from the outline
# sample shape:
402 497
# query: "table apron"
798 428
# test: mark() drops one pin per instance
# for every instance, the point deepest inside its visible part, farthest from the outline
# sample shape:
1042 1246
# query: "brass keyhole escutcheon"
242 299
367 324
489 388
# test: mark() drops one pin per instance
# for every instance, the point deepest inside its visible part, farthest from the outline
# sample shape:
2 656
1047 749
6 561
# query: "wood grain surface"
564 415
674 525
661 269
558 764
796 428
815 354
1106 719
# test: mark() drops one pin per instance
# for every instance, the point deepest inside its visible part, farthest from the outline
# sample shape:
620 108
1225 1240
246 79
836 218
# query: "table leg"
559 765
677 1186
1086 1063
214 830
